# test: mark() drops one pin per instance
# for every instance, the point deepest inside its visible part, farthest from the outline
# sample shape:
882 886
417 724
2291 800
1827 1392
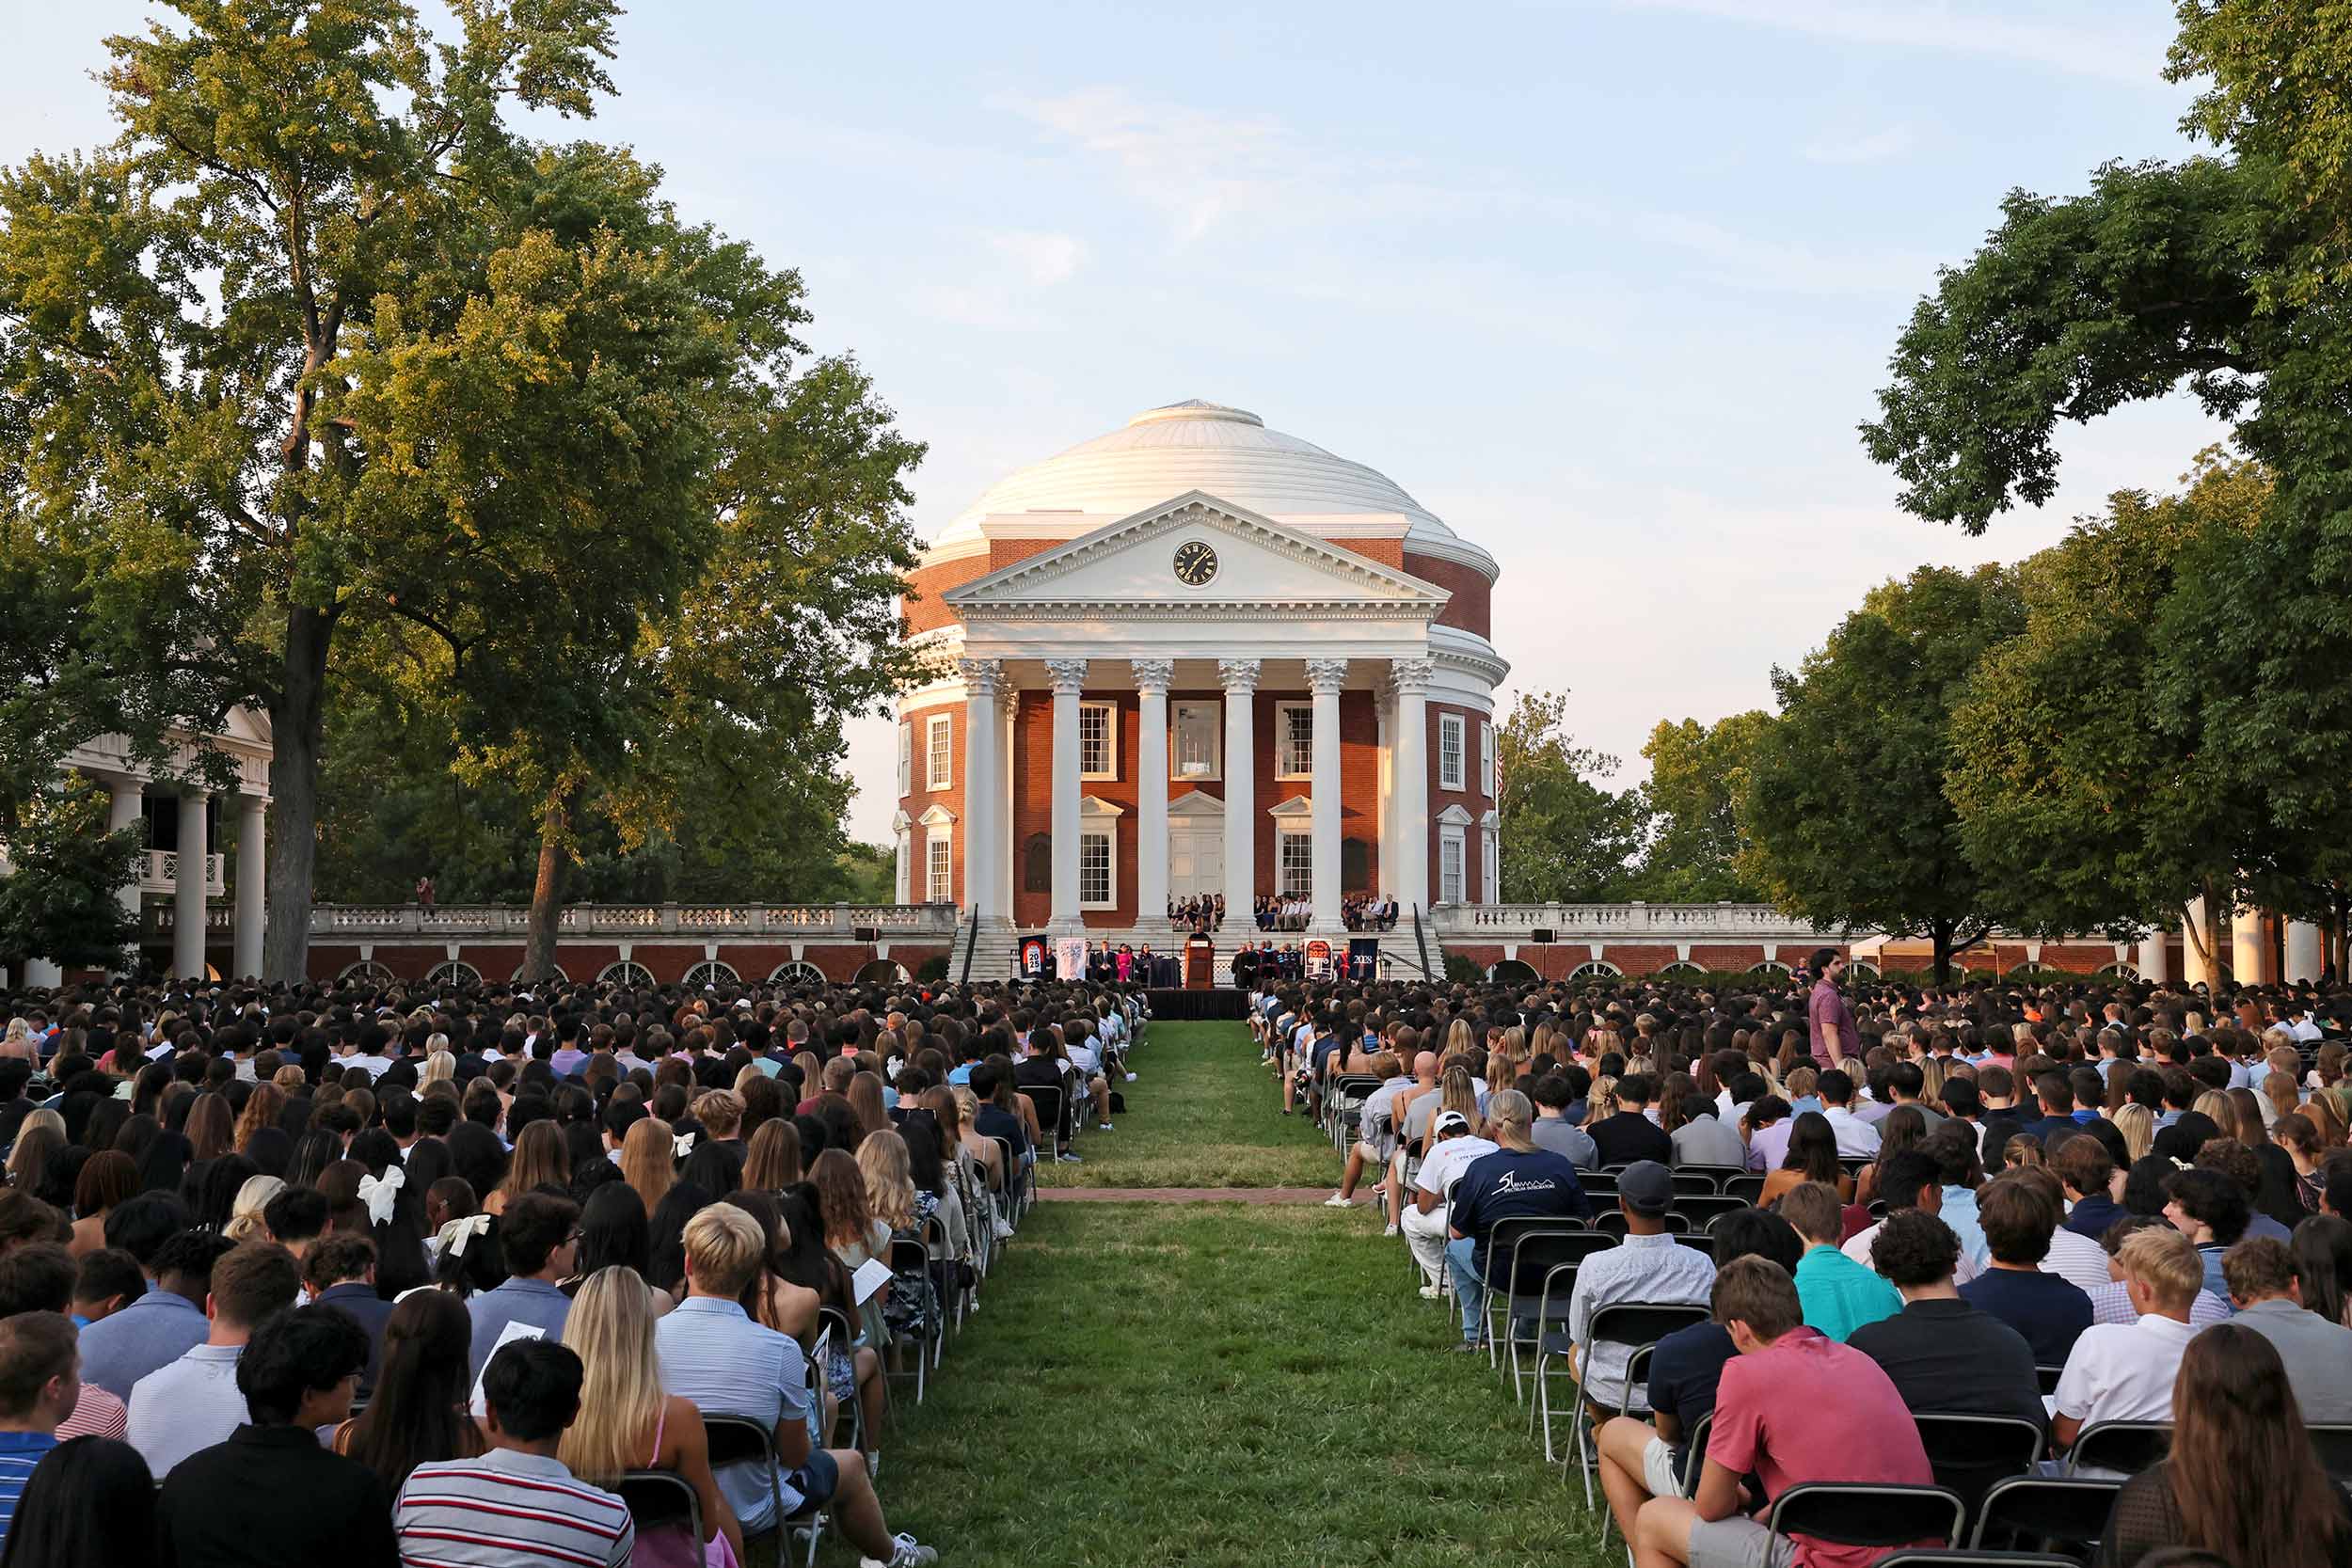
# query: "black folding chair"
1700 1241
2047 1511
736 1440
1632 1324
660 1501
1525 1254
1695 1182
835 1331
1597 1184
1704 1211
1747 1189
2334 1443
2125 1448
1953 1556
1854 1514
1017 1186
2048 1377
1694 1453
1969 1452
1047 1103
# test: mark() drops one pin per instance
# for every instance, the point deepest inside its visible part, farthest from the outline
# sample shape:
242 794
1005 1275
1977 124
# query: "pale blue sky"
1606 286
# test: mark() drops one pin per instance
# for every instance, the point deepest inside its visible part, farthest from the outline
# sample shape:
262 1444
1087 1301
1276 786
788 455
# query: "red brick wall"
919 798
1470 799
1472 605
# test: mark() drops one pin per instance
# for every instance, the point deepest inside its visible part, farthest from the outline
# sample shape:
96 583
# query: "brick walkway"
1185 1194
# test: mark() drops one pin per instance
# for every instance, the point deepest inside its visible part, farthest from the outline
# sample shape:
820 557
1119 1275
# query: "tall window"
1296 867
1097 888
1489 870
1098 740
1194 755
1450 888
906 759
939 881
1293 741
939 749
1486 758
1450 757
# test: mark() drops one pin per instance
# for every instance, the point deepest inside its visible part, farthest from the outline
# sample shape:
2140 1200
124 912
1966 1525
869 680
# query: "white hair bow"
681 1145
379 1192
458 1233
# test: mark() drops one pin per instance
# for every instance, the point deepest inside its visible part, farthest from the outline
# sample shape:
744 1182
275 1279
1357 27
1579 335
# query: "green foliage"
1845 806
1697 774
933 969
1566 836
1460 971
58 900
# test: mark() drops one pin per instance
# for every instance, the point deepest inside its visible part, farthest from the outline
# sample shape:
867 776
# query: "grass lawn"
1201 1113
1215 1384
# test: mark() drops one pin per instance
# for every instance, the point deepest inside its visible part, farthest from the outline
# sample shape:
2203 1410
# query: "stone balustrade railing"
1595 922
376 922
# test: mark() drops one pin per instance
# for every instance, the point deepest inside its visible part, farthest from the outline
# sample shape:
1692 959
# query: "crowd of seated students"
2066 1204
395 1274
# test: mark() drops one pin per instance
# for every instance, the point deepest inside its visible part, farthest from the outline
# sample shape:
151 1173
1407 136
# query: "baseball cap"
1645 1187
1451 1121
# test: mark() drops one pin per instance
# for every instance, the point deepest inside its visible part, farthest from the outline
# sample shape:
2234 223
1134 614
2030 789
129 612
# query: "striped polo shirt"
508 1509
19 1452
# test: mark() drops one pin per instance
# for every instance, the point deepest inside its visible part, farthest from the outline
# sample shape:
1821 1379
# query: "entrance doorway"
1196 846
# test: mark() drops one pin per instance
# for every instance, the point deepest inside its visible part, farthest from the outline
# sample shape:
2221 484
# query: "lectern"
1200 963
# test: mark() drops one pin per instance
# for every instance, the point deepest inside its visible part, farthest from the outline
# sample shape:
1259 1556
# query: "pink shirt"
1811 1409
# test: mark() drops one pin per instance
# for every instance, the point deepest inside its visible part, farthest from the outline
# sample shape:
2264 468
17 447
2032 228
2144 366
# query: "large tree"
2222 274
1566 835
1697 774
1845 809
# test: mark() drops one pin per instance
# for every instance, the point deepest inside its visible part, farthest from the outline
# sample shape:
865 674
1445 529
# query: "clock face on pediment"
1196 563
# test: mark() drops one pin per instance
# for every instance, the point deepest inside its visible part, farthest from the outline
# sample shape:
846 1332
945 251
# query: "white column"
253 817
2197 970
2249 952
903 828
2155 965
1240 677
1069 677
1384 774
1324 677
2304 960
1411 730
125 805
1152 677
984 830
187 904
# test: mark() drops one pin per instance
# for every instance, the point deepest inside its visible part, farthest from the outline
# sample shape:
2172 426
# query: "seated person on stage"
1942 1354
1792 1407
1644 1459
1517 1180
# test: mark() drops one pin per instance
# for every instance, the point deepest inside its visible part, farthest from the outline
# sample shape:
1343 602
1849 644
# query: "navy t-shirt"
2047 1310
1507 1185
1683 1372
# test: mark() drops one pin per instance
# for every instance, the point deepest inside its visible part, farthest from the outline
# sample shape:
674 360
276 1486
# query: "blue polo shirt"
533 1302
19 1452
154 1331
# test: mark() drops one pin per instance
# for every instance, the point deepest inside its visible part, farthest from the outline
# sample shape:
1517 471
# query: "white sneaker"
909 1553
1131 1078
873 1465
1391 1232
1430 1293
1106 1127
1336 1201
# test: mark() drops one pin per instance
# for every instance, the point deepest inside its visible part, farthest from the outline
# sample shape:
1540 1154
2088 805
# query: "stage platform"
1185 1005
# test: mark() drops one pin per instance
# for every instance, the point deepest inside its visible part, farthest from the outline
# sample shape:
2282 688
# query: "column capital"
1154 675
1412 674
1238 675
1067 675
1326 675
984 676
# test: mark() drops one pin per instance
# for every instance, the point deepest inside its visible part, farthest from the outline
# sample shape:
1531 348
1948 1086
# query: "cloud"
1950 29
1043 259
1204 167
1876 148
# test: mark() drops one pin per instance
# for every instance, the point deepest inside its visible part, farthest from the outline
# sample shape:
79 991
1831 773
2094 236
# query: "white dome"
1228 453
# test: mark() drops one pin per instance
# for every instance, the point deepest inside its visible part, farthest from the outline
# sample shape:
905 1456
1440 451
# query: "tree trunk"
1940 933
296 725
546 890
2196 941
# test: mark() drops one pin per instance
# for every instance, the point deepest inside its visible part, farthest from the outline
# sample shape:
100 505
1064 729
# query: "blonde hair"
882 1159
441 1066
2138 1126
244 1214
2216 1105
2165 1262
720 1112
611 1328
724 1247
648 1156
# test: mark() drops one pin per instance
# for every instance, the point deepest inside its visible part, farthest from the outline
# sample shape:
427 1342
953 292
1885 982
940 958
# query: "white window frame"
939 865
1452 865
1288 839
1596 969
1105 835
1211 716
1282 712
906 759
1490 868
1486 758
1110 741
1452 744
939 751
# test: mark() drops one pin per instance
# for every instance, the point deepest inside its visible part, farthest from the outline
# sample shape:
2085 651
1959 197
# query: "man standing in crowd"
1826 1014
1517 1180
1792 1407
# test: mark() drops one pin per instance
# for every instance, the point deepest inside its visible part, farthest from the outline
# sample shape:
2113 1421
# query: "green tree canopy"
1845 807
1566 836
1697 774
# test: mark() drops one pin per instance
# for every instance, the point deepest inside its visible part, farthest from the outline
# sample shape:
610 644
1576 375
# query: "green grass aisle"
1205 1115
1218 1384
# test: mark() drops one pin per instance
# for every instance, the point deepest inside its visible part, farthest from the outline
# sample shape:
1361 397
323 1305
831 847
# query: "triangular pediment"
1455 817
1196 802
1258 563
1297 805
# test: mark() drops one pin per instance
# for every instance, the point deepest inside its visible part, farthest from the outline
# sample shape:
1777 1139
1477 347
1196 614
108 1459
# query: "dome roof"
1228 453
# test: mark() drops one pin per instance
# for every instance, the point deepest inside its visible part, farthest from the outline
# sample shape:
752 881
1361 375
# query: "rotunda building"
1198 656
